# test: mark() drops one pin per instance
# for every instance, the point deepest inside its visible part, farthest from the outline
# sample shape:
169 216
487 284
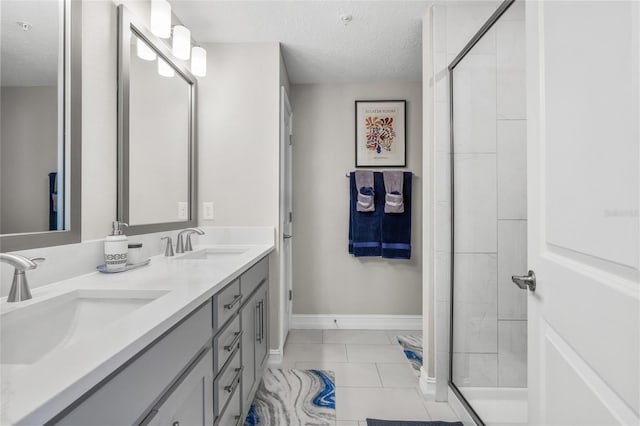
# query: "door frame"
284 313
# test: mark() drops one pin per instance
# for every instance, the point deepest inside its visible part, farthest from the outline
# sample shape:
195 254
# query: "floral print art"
380 133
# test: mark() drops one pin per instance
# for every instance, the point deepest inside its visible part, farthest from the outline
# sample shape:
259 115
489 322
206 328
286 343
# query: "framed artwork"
381 134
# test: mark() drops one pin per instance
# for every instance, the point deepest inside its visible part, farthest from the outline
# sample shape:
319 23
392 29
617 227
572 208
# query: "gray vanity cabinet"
203 371
248 317
165 378
191 401
254 315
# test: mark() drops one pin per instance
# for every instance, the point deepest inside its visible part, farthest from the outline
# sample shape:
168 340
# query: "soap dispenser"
116 248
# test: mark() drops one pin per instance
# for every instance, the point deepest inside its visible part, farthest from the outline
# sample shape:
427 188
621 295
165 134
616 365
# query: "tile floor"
373 377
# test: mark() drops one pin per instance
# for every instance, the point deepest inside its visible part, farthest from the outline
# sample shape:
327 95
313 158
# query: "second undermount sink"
218 253
31 332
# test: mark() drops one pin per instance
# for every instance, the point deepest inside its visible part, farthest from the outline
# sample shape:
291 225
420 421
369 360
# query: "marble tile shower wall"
490 197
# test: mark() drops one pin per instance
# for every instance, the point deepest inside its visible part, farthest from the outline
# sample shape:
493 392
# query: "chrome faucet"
168 250
181 247
19 286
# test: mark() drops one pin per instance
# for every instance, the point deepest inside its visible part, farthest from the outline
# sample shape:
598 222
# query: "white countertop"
33 394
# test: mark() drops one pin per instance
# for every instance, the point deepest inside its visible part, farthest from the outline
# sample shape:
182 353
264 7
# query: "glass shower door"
488 159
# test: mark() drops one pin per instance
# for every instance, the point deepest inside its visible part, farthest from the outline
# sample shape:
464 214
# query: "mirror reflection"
159 138
32 153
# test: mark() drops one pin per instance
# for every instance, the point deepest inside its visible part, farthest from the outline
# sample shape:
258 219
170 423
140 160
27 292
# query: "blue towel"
53 208
396 227
365 227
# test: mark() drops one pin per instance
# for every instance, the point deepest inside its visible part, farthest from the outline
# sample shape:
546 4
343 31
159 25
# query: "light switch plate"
183 210
207 210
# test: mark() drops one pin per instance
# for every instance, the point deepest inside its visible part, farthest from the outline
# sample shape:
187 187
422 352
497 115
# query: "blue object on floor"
327 396
294 397
396 227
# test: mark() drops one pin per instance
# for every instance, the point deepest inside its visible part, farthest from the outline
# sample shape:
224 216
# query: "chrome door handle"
525 281
287 236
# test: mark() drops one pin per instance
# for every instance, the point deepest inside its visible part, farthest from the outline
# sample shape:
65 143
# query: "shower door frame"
504 6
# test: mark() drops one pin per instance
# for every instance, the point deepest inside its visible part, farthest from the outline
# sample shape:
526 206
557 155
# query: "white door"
584 230
286 212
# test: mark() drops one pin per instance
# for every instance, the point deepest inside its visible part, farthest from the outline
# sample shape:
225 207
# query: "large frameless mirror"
156 140
40 116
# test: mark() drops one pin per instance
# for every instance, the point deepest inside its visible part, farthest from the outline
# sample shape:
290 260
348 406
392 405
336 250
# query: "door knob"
525 281
287 236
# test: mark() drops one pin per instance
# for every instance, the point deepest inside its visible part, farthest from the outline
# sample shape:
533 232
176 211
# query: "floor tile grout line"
379 376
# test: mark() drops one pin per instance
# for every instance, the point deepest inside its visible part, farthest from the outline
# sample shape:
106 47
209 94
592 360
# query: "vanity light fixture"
181 42
164 69
144 51
198 61
160 18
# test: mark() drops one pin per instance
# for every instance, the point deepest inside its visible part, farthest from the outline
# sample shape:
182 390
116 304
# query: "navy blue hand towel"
365 227
396 227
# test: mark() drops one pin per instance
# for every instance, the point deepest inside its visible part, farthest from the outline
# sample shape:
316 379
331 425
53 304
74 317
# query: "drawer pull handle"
236 342
236 381
175 424
236 300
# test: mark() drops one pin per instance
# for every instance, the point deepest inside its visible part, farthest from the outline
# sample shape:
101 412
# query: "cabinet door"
262 325
190 402
248 322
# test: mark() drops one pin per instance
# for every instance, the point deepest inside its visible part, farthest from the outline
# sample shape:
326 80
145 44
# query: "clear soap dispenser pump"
116 248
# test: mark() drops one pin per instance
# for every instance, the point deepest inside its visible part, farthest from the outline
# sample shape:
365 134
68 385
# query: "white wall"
29 152
326 278
238 138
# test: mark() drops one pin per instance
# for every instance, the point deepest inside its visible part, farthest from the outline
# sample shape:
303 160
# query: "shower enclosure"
488 354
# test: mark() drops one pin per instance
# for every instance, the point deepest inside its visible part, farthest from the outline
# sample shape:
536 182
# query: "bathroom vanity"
183 341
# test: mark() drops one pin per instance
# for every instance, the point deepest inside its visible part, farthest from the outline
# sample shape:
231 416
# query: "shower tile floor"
372 375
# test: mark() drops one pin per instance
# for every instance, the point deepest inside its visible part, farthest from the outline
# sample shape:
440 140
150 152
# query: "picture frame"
381 133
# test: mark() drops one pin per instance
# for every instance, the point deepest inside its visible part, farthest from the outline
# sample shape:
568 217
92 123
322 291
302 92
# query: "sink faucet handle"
19 286
38 259
168 250
188 246
20 263
180 246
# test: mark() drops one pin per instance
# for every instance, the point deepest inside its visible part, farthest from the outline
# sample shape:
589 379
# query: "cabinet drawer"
226 343
226 303
127 396
191 401
251 279
231 415
227 383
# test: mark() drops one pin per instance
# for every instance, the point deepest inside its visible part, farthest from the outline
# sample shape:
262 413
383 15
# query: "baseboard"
275 357
357 322
427 384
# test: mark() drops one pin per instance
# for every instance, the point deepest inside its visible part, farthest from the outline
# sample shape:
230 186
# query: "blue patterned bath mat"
294 397
412 347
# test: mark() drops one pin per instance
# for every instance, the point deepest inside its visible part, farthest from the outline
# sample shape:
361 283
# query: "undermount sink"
31 332
215 254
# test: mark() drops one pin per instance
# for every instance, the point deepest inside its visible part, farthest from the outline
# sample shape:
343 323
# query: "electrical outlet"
207 210
183 210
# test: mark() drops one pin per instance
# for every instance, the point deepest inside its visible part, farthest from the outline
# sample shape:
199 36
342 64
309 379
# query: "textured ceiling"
29 58
382 42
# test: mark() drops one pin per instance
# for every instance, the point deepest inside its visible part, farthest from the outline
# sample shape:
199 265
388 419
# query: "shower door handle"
525 281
